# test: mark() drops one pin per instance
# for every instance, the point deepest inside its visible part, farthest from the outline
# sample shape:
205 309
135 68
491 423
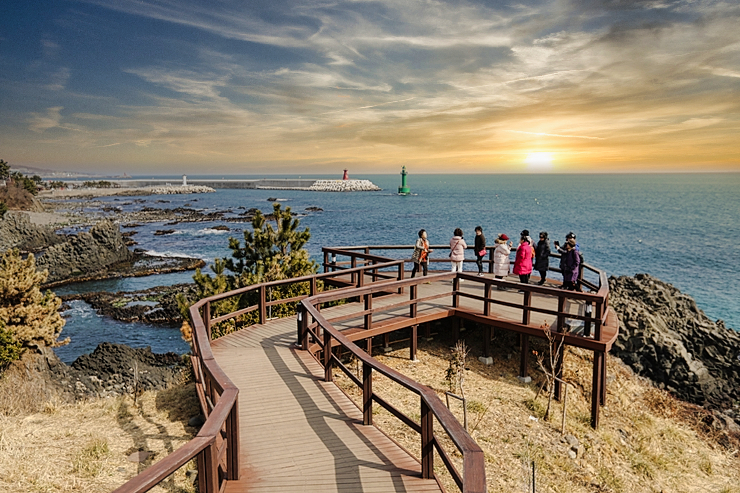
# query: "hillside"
647 441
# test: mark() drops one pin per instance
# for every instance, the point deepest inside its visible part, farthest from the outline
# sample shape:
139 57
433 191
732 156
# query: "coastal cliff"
665 337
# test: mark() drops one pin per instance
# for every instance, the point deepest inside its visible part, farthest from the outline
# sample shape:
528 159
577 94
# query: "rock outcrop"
17 231
665 337
112 369
85 253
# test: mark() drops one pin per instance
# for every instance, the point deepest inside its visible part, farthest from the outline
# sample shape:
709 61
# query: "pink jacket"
523 261
457 249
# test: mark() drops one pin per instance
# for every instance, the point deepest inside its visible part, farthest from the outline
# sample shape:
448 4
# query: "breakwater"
313 185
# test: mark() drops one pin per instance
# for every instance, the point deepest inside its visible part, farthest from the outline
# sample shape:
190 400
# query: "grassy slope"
647 441
50 446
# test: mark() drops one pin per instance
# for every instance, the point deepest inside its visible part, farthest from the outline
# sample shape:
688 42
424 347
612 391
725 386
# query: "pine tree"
31 316
269 253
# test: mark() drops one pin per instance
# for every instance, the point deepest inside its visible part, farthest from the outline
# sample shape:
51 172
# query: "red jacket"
523 261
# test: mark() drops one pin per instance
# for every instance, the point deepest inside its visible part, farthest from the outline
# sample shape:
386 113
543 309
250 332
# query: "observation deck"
275 419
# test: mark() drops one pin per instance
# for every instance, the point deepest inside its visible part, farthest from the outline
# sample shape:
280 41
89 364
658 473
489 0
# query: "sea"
681 228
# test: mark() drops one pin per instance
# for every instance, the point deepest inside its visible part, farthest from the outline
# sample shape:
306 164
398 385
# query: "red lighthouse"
346 176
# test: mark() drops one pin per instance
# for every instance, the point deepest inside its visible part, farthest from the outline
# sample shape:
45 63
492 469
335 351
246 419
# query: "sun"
539 161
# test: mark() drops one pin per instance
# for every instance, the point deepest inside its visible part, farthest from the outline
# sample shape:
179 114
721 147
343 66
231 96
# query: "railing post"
487 296
263 308
367 394
328 377
561 313
427 443
326 261
401 274
313 288
369 316
525 308
353 265
413 342
524 355
208 469
490 261
232 448
455 288
413 296
207 318
596 388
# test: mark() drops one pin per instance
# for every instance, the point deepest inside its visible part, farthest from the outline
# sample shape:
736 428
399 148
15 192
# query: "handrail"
218 396
473 477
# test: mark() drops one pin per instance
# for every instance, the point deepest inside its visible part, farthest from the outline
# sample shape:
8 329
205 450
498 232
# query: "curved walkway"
299 433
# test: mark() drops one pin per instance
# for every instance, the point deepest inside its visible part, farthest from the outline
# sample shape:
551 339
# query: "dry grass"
647 441
55 446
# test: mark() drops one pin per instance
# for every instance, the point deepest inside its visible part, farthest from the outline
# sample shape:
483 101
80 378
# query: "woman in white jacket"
501 261
457 250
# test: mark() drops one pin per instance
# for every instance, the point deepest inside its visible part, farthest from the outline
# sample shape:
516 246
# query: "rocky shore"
666 338
112 369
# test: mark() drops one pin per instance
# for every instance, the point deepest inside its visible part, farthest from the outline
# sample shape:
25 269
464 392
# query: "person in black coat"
542 257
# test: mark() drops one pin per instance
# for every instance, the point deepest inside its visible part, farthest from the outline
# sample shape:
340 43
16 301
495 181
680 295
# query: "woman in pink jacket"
523 260
457 250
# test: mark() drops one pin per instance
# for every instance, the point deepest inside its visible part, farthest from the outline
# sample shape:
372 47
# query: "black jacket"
542 255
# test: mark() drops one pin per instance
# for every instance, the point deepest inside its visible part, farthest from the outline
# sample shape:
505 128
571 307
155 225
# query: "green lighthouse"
403 189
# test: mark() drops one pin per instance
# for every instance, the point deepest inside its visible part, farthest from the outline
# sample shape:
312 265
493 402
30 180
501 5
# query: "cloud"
39 123
59 79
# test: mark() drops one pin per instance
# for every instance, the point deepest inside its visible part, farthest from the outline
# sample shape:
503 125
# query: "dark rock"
221 228
86 253
314 209
17 231
162 232
665 337
196 421
272 199
157 305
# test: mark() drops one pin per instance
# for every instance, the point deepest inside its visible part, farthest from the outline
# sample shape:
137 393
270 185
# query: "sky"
303 86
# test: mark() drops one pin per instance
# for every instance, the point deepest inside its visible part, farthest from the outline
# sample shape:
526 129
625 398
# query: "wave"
154 253
210 231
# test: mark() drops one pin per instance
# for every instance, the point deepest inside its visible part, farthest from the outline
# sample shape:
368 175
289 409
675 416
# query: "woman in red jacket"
523 260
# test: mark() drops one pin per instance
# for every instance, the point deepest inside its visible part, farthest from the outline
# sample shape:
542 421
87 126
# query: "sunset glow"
539 161
308 87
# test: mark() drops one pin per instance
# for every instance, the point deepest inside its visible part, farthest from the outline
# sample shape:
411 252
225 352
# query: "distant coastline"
149 186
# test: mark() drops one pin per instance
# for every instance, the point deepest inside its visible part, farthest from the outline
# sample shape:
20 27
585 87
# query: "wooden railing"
216 446
473 478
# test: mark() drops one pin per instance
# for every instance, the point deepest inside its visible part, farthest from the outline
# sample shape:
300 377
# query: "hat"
525 232
572 242
570 235
503 236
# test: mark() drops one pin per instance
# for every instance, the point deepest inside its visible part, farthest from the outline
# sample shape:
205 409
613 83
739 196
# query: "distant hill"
50 173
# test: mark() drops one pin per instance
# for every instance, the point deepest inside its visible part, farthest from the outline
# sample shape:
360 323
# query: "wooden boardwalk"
299 433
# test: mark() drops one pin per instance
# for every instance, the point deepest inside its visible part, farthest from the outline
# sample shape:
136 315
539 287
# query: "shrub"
10 349
31 316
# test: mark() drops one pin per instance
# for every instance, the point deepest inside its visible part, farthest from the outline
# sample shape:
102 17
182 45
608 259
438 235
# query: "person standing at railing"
562 251
420 257
523 260
457 250
569 264
501 254
480 249
542 257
